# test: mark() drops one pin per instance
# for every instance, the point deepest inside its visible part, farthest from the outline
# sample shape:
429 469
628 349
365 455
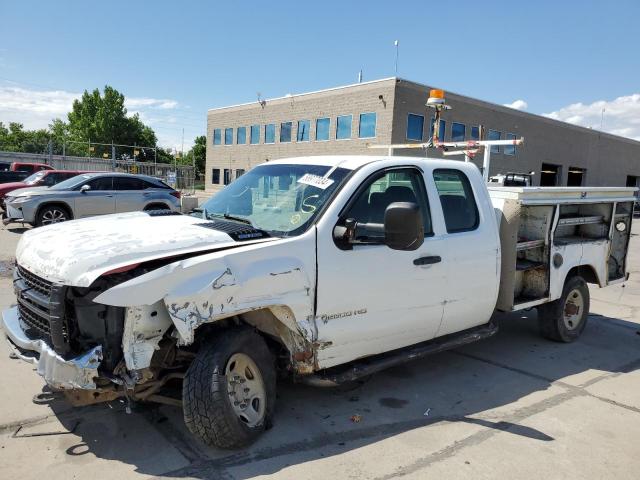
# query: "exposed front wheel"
563 320
52 214
229 390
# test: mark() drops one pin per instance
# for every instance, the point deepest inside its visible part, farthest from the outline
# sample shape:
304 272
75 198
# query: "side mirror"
85 188
403 226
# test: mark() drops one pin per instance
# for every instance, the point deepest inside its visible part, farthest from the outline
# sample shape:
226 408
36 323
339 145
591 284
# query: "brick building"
344 120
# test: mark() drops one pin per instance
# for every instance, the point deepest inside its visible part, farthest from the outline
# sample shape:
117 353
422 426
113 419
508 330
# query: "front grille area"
41 309
33 281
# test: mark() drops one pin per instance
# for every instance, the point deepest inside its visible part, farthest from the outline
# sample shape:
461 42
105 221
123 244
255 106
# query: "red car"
43 178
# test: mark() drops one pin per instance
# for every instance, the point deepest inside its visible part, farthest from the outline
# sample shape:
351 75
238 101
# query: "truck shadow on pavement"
475 392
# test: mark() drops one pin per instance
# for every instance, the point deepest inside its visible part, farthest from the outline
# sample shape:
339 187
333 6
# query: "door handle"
109 196
427 260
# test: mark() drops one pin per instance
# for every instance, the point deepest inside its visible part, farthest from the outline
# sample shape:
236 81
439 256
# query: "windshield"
280 199
71 182
31 179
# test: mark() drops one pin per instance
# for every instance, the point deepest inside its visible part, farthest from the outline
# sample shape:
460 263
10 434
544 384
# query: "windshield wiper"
230 217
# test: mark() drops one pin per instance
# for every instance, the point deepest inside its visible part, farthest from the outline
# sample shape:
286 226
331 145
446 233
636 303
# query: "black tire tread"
550 315
206 408
43 209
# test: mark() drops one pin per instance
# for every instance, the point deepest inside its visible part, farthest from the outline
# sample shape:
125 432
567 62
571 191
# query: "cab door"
370 298
98 200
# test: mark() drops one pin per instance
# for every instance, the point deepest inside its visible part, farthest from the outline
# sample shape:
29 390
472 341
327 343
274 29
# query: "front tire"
229 390
52 214
565 319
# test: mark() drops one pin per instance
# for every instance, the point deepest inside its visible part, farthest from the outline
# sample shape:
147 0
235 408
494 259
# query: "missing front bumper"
75 373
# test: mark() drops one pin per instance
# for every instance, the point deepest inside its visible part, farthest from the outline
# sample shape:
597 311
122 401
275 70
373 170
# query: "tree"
103 119
199 152
17 139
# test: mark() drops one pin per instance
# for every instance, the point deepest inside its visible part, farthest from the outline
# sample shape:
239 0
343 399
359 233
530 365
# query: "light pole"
396 43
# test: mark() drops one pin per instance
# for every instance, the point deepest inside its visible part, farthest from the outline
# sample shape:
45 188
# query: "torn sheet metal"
59 373
144 327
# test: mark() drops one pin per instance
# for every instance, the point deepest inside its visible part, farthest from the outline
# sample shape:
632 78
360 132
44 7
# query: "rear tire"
229 390
52 214
565 319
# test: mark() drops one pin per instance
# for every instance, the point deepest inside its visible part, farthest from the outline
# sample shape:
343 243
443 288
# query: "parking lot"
513 406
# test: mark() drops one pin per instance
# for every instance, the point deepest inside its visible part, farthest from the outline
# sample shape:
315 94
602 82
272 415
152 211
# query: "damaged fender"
212 287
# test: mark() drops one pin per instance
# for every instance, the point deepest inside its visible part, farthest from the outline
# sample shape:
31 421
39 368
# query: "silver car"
87 195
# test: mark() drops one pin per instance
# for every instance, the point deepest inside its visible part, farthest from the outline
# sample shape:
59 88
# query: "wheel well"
586 272
157 206
55 204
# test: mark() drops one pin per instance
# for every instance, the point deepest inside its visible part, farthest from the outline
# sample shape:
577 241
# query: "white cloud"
36 109
621 115
517 104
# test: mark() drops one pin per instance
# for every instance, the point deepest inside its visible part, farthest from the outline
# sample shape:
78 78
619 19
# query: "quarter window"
270 133
303 131
241 135
343 127
285 132
367 127
255 134
217 136
457 200
415 127
398 185
228 136
458 131
322 129
494 135
509 149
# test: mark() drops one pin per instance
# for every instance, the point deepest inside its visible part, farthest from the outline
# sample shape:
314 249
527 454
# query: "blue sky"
174 60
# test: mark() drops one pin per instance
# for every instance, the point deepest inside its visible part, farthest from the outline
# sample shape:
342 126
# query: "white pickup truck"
322 269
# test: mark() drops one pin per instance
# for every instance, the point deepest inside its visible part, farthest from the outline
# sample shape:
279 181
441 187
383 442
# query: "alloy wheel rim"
573 309
247 393
53 216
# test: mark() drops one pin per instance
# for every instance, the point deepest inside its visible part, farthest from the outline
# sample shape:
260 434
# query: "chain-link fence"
181 177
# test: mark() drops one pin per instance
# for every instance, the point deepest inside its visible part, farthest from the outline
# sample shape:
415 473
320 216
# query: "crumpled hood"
75 253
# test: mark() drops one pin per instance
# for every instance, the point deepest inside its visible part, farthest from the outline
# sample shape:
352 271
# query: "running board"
335 376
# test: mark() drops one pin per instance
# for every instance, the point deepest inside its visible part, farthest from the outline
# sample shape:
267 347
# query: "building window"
270 133
367 127
343 127
239 172
303 131
217 136
215 176
509 149
415 127
255 134
227 176
494 135
322 129
228 136
475 132
285 132
458 131
241 135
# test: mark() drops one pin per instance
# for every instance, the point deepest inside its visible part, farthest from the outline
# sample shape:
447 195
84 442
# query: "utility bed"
542 227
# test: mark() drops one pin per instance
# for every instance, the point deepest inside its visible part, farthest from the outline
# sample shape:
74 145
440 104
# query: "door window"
457 200
128 183
100 184
398 185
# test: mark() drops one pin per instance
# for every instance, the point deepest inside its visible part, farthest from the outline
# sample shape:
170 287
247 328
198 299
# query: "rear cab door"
468 226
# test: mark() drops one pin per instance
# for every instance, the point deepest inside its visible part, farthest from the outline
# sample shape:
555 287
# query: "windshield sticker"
315 181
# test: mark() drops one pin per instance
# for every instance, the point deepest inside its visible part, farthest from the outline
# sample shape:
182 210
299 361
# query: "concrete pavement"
513 406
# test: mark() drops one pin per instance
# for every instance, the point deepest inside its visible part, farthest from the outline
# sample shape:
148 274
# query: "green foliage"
199 153
97 118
